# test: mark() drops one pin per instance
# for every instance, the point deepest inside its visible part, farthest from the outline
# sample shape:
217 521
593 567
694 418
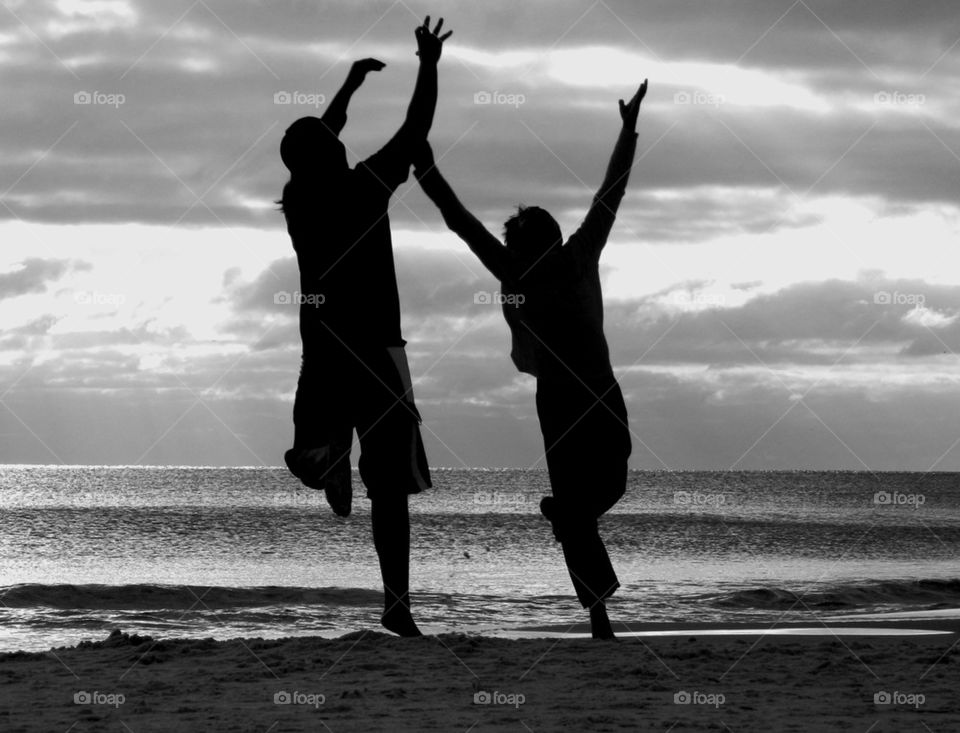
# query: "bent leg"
586 445
588 563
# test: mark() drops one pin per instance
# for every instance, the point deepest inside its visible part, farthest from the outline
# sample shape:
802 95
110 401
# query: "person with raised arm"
354 373
553 304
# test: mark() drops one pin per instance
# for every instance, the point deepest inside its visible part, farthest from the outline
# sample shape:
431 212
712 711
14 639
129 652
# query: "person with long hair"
553 304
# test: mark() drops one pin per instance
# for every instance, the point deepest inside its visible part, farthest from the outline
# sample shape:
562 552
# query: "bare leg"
391 536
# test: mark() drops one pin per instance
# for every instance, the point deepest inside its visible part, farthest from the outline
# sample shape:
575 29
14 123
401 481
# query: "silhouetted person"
354 373
556 323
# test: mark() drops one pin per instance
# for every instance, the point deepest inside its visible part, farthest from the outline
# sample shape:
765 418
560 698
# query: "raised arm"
335 116
592 234
423 103
391 164
491 252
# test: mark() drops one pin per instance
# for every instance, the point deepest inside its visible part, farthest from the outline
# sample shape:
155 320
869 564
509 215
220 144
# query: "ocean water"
227 552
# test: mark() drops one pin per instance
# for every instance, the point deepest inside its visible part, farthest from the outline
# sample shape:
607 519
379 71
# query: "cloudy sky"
782 283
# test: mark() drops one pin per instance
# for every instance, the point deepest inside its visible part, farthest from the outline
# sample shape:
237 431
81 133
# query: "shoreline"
369 680
940 622
875 623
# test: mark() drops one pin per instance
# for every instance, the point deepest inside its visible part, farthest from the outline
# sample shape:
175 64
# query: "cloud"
796 164
198 119
32 275
874 321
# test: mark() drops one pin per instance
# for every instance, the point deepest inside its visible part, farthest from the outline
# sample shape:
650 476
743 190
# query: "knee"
573 527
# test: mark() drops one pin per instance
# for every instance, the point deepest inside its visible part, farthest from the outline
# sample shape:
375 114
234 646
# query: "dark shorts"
586 437
369 392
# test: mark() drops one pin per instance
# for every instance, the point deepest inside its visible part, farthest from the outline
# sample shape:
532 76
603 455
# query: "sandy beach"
370 681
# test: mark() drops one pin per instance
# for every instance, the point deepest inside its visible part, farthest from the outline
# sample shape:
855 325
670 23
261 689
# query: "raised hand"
630 110
361 68
430 43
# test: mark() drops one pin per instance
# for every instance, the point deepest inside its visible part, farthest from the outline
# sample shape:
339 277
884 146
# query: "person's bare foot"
400 622
600 627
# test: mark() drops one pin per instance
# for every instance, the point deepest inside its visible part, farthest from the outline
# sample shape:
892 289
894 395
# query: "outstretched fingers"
641 92
436 30
430 41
